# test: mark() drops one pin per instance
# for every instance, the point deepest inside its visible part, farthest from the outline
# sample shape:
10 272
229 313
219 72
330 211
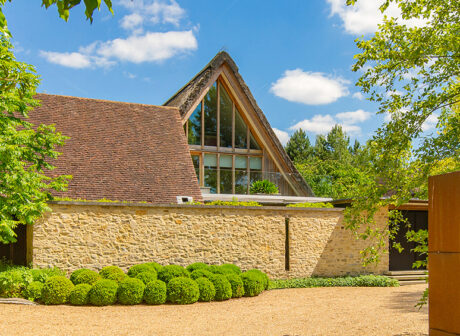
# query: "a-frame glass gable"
226 154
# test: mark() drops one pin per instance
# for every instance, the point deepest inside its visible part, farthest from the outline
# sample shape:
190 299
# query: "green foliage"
182 290
113 273
207 290
146 277
79 295
155 292
263 187
56 290
310 205
86 277
34 291
155 265
172 271
253 283
237 285
201 273
230 268
216 269
130 291
197 265
44 274
103 293
136 269
222 286
262 275
298 147
234 203
75 273
348 281
14 281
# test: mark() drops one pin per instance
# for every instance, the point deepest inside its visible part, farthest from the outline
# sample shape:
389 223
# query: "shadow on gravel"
405 301
411 334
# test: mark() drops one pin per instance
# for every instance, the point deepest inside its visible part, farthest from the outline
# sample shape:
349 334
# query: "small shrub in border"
136 269
79 295
146 277
75 273
217 269
44 274
263 187
230 268
310 205
253 283
207 290
237 285
222 286
155 292
197 265
172 271
182 290
86 277
14 281
348 281
155 265
103 293
112 273
56 290
264 277
34 291
201 273
130 291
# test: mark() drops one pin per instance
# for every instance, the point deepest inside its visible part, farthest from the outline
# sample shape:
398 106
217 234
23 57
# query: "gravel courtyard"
311 311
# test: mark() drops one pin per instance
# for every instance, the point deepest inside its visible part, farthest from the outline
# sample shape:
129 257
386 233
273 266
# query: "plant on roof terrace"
263 187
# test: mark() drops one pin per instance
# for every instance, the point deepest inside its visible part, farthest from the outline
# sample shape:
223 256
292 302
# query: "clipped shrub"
197 265
56 290
310 205
216 269
136 269
230 268
130 291
103 292
86 276
252 283
347 281
34 291
263 276
172 271
44 274
112 273
207 289
201 273
237 285
14 281
222 286
263 187
234 203
75 273
155 265
155 292
146 277
182 290
79 295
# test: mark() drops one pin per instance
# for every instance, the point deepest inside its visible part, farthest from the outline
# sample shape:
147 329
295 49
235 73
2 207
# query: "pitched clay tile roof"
120 151
190 92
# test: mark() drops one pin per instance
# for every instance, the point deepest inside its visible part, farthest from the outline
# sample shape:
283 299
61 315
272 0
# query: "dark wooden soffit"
188 95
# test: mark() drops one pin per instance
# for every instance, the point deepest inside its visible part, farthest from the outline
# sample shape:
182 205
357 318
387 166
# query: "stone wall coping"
193 206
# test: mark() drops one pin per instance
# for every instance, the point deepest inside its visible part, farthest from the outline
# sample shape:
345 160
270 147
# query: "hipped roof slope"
120 151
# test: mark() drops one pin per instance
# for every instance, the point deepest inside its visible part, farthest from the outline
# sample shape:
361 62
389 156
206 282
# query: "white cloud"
365 16
156 11
72 60
311 88
358 95
430 122
354 116
132 21
282 136
322 124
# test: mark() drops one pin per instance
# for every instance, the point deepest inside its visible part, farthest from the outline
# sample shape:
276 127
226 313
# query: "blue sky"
294 55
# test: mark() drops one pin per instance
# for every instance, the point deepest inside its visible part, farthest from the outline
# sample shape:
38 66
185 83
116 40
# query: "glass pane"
252 142
226 117
226 174
255 163
255 176
241 181
210 172
210 117
241 162
196 164
240 131
194 127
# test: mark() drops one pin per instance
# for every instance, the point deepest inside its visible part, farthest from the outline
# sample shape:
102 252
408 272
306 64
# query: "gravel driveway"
310 311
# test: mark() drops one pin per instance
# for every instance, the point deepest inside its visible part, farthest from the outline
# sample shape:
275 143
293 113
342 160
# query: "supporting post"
286 244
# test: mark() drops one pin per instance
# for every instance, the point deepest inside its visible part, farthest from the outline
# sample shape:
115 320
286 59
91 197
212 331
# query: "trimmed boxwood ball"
130 291
155 265
136 269
75 273
201 273
155 292
253 283
34 291
86 276
237 285
265 279
216 269
222 286
182 290
56 290
103 293
146 277
197 265
207 290
79 295
230 268
112 273
172 271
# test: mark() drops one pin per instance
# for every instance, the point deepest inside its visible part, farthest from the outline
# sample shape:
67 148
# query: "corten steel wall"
93 235
444 254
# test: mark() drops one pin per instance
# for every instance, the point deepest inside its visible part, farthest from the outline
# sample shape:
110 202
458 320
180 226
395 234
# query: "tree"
26 150
298 147
413 73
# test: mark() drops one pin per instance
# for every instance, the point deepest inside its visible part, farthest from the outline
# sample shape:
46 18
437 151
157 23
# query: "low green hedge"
222 286
113 273
155 292
34 291
182 290
75 273
207 289
348 281
262 275
196 266
237 285
201 273
56 290
130 291
253 283
172 271
103 293
136 269
310 205
146 277
86 276
79 295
